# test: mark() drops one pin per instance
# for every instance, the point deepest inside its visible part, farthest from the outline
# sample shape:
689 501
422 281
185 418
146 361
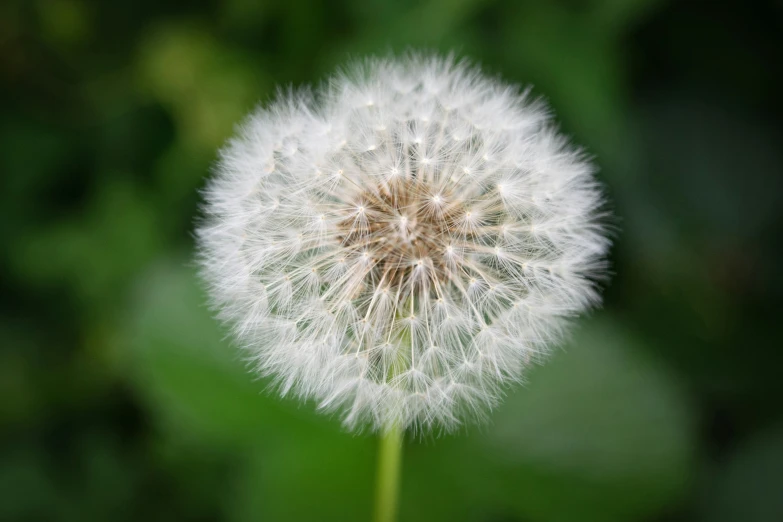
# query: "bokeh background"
122 400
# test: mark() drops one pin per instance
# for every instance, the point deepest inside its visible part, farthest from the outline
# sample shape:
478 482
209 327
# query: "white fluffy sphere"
402 243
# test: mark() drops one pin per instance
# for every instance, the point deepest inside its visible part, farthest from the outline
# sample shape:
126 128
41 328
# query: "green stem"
388 485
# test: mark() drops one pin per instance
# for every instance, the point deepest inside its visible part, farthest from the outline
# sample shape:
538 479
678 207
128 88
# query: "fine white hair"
403 242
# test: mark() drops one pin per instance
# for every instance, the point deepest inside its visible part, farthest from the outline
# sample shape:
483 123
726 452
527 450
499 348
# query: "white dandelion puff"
403 243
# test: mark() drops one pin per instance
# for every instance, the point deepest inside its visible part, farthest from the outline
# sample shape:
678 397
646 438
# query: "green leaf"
600 432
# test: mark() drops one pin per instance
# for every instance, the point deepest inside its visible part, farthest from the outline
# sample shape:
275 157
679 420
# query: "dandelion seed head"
457 235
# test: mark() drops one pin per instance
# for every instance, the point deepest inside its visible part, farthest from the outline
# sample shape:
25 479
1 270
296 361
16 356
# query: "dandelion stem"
388 479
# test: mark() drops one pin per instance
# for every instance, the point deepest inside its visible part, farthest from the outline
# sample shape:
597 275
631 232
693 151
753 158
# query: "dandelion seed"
456 236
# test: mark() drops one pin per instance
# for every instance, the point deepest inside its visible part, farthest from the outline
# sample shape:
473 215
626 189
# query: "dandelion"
403 243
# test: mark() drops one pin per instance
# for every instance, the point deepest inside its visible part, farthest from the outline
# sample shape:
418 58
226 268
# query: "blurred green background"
121 399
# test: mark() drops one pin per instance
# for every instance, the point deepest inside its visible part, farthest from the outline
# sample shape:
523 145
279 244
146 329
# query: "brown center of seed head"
405 228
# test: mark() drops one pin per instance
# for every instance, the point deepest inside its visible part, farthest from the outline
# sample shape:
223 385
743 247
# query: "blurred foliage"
123 400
